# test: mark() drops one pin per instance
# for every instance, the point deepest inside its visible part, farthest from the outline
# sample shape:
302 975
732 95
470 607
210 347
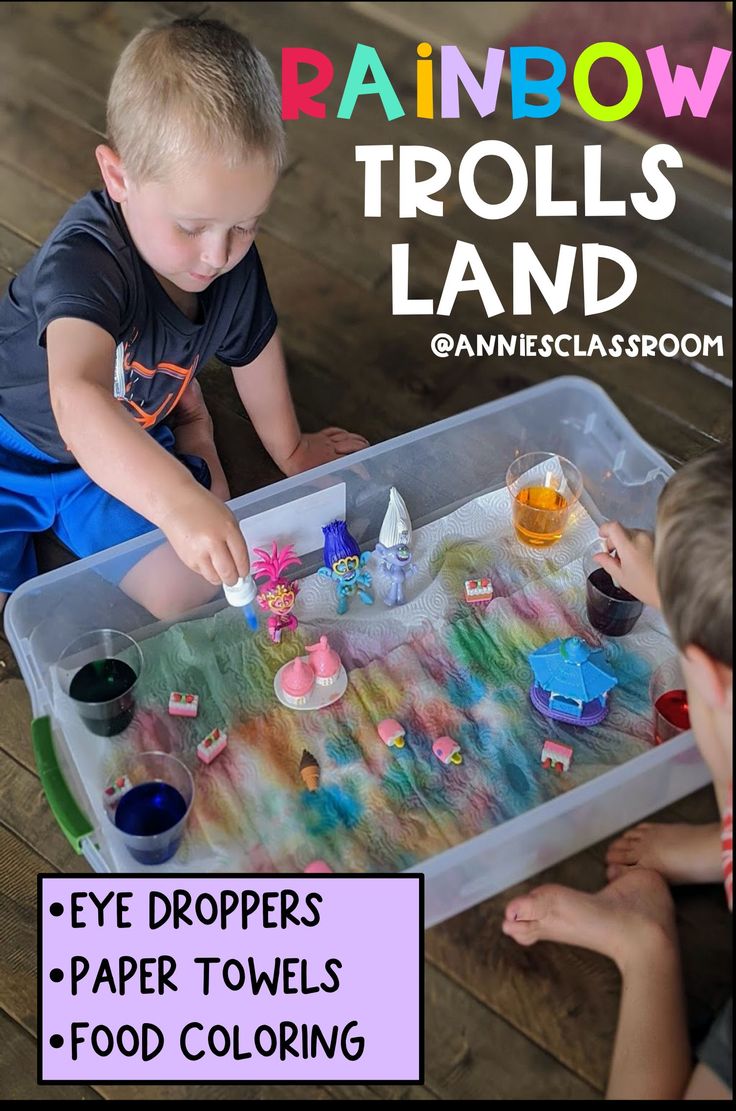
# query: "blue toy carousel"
571 681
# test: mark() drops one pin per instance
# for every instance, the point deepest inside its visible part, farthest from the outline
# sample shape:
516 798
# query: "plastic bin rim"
551 386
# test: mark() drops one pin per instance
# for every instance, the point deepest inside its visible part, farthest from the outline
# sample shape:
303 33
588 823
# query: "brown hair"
192 87
694 554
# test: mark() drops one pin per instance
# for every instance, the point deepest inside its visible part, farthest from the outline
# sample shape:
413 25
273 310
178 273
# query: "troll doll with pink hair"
277 593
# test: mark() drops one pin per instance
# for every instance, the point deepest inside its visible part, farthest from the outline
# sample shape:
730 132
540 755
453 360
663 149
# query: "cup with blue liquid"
151 815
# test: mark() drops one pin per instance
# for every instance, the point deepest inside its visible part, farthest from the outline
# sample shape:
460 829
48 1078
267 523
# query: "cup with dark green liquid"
99 672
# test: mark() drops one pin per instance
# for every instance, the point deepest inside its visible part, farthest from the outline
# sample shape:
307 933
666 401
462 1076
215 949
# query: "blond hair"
188 88
694 554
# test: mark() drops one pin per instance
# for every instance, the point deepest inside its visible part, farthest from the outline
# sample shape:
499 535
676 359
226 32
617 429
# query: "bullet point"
57 975
56 909
56 1041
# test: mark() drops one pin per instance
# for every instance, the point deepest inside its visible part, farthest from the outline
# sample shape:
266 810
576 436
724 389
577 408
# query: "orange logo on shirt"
136 400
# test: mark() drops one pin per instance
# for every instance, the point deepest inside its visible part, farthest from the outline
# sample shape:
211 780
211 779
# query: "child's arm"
122 459
633 566
194 435
264 391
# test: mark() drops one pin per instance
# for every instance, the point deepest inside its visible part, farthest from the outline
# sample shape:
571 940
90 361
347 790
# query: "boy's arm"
122 459
194 435
633 565
264 390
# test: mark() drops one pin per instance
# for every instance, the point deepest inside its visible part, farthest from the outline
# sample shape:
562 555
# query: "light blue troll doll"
343 565
394 548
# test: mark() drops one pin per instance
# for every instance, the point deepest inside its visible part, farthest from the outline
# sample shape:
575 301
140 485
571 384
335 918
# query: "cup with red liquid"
669 698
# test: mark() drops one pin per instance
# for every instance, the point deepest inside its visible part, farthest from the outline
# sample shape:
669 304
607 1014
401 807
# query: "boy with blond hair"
104 432
690 568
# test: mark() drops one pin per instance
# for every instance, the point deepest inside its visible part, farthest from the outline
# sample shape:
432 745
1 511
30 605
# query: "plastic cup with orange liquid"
544 489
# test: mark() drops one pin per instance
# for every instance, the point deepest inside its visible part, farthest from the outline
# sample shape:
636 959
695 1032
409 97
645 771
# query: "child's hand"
322 447
207 539
633 565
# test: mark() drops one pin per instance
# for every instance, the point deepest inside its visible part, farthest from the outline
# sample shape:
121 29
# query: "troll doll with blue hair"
344 566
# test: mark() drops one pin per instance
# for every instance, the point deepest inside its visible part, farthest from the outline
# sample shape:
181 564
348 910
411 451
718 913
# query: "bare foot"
614 921
680 853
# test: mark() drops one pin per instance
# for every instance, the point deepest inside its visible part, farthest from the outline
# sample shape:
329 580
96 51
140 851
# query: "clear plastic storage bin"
437 469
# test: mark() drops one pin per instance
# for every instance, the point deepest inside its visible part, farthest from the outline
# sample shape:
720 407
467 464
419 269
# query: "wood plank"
675 440
46 84
14 253
206 1092
15 714
529 985
20 866
339 238
62 181
26 812
28 210
18 1069
57 35
705 198
480 1056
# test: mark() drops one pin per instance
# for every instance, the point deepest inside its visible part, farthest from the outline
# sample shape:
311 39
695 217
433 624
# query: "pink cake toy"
447 750
183 705
557 756
112 794
212 746
478 591
297 681
324 661
317 866
391 733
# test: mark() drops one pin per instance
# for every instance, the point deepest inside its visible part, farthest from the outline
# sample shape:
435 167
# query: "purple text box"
277 978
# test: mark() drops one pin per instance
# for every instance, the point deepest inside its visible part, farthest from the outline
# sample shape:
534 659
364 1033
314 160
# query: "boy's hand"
633 565
322 447
207 539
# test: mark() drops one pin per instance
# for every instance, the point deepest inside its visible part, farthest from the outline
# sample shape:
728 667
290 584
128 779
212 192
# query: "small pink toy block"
112 794
447 750
477 591
317 866
183 705
556 756
212 746
391 732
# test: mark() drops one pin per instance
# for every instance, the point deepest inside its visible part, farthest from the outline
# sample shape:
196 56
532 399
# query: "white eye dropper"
243 594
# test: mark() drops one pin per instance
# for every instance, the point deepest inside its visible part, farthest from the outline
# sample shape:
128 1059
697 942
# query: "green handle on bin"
74 824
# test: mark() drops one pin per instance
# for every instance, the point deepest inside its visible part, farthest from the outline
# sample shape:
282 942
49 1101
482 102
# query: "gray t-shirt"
89 268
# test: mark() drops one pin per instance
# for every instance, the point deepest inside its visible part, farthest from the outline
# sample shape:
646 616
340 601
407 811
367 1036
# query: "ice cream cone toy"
309 771
324 661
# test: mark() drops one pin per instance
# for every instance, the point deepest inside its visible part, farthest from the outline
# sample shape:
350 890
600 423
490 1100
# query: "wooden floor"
502 1022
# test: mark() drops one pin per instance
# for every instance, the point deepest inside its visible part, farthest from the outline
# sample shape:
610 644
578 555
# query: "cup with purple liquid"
611 609
151 814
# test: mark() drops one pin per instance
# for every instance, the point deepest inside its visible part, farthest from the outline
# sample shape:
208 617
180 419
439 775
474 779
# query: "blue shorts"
38 493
